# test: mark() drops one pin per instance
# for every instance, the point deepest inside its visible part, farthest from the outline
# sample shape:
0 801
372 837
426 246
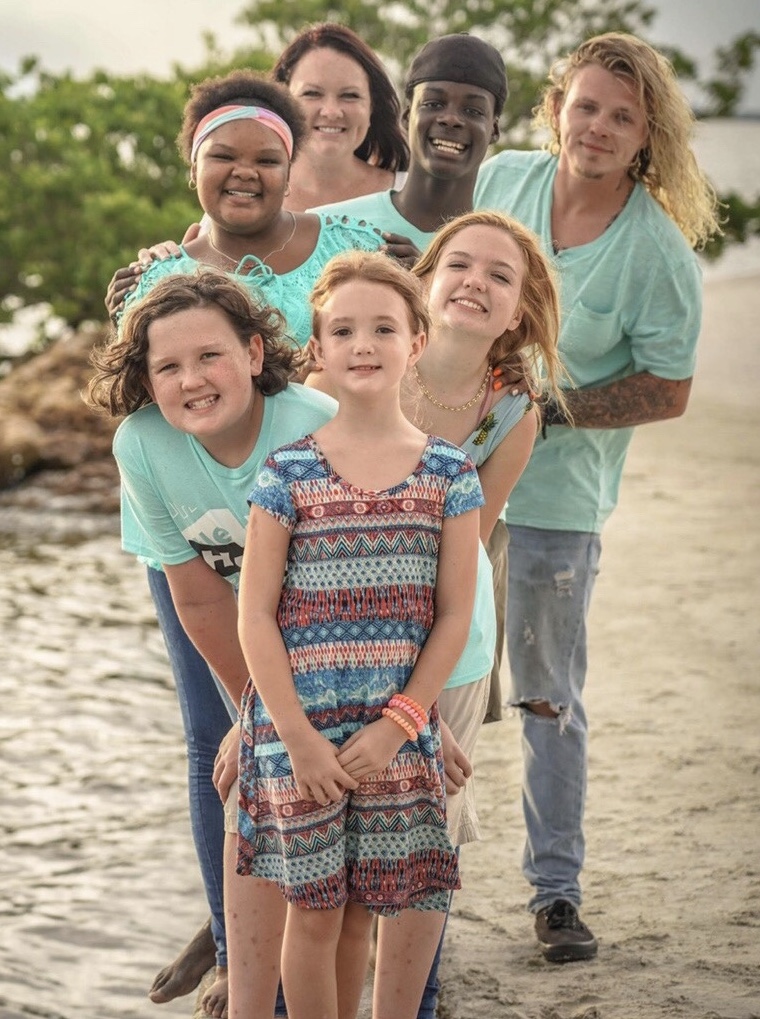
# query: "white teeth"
469 304
330 130
207 401
243 194
447 146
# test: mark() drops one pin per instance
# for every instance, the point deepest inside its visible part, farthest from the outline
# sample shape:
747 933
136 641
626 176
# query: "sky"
151 35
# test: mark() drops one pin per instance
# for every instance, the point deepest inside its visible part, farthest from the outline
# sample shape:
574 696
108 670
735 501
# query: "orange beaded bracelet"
415 711
405 725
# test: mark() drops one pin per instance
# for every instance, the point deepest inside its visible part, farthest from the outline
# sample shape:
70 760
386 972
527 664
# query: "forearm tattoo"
635 400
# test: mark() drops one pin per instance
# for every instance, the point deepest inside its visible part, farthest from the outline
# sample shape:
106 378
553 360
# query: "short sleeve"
665 332
271 493
148 528
464 492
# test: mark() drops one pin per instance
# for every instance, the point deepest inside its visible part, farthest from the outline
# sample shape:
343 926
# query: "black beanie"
462 58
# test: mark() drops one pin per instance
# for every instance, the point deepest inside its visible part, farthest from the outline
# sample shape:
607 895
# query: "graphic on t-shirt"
218 536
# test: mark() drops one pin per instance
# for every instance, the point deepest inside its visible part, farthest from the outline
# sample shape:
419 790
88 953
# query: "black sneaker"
562 934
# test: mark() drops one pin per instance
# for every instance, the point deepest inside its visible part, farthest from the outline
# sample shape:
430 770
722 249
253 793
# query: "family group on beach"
376 408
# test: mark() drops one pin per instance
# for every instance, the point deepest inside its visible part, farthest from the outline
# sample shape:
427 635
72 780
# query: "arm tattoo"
635 400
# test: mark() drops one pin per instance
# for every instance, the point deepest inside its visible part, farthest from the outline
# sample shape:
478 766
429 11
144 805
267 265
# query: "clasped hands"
324 772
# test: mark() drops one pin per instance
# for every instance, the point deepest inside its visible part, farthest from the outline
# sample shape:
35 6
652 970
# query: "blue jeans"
207 715
551 577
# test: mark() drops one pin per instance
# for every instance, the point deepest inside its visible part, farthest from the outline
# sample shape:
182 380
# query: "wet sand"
97 868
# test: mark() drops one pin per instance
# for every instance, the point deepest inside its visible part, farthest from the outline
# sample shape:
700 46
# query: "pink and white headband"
225 114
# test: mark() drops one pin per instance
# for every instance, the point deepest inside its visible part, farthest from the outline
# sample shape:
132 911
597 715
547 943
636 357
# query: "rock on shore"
51 443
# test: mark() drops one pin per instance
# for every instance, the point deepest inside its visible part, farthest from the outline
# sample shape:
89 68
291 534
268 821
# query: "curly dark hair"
384 144
121 368
243 88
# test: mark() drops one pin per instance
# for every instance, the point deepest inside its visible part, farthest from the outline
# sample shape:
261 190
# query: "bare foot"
214 1002
184 974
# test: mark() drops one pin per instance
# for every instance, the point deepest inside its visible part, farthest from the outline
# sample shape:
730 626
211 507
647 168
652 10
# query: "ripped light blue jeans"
551 577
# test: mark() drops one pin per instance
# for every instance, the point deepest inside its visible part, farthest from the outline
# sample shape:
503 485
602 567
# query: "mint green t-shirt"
177 502
631 302
379 211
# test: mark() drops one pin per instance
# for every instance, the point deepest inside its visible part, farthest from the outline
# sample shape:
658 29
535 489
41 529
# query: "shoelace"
563 914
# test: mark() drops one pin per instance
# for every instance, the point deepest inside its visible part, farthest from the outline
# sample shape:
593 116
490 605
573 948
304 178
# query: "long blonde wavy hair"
667 166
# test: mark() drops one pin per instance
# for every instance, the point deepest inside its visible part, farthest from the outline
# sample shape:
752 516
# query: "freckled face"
477 282
602 125
200 375
334 93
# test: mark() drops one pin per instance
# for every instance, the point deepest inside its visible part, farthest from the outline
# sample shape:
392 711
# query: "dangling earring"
191 184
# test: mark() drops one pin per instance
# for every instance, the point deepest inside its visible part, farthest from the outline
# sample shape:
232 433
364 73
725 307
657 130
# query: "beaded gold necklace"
445 406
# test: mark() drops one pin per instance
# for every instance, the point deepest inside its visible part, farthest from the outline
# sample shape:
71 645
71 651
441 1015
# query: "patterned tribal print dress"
356 608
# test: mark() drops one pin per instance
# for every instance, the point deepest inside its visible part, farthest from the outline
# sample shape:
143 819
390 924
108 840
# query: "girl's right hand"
318 775
158 252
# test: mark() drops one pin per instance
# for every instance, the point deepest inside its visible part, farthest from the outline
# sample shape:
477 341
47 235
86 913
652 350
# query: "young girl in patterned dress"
355 601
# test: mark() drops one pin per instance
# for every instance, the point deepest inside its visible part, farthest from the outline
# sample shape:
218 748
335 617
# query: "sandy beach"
101 887
672 876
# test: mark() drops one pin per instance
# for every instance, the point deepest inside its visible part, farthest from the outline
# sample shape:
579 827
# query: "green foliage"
92 171
92 174
733 62
87 161
742 221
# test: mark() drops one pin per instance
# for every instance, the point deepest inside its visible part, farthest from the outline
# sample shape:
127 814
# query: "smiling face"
334 93
602 125
366 340
450 126
476 285
242 173
200 376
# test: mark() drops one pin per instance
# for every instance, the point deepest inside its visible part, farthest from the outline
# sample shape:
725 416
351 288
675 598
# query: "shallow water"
100 885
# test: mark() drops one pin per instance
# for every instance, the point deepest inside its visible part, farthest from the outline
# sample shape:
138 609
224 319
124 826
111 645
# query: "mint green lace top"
288 292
